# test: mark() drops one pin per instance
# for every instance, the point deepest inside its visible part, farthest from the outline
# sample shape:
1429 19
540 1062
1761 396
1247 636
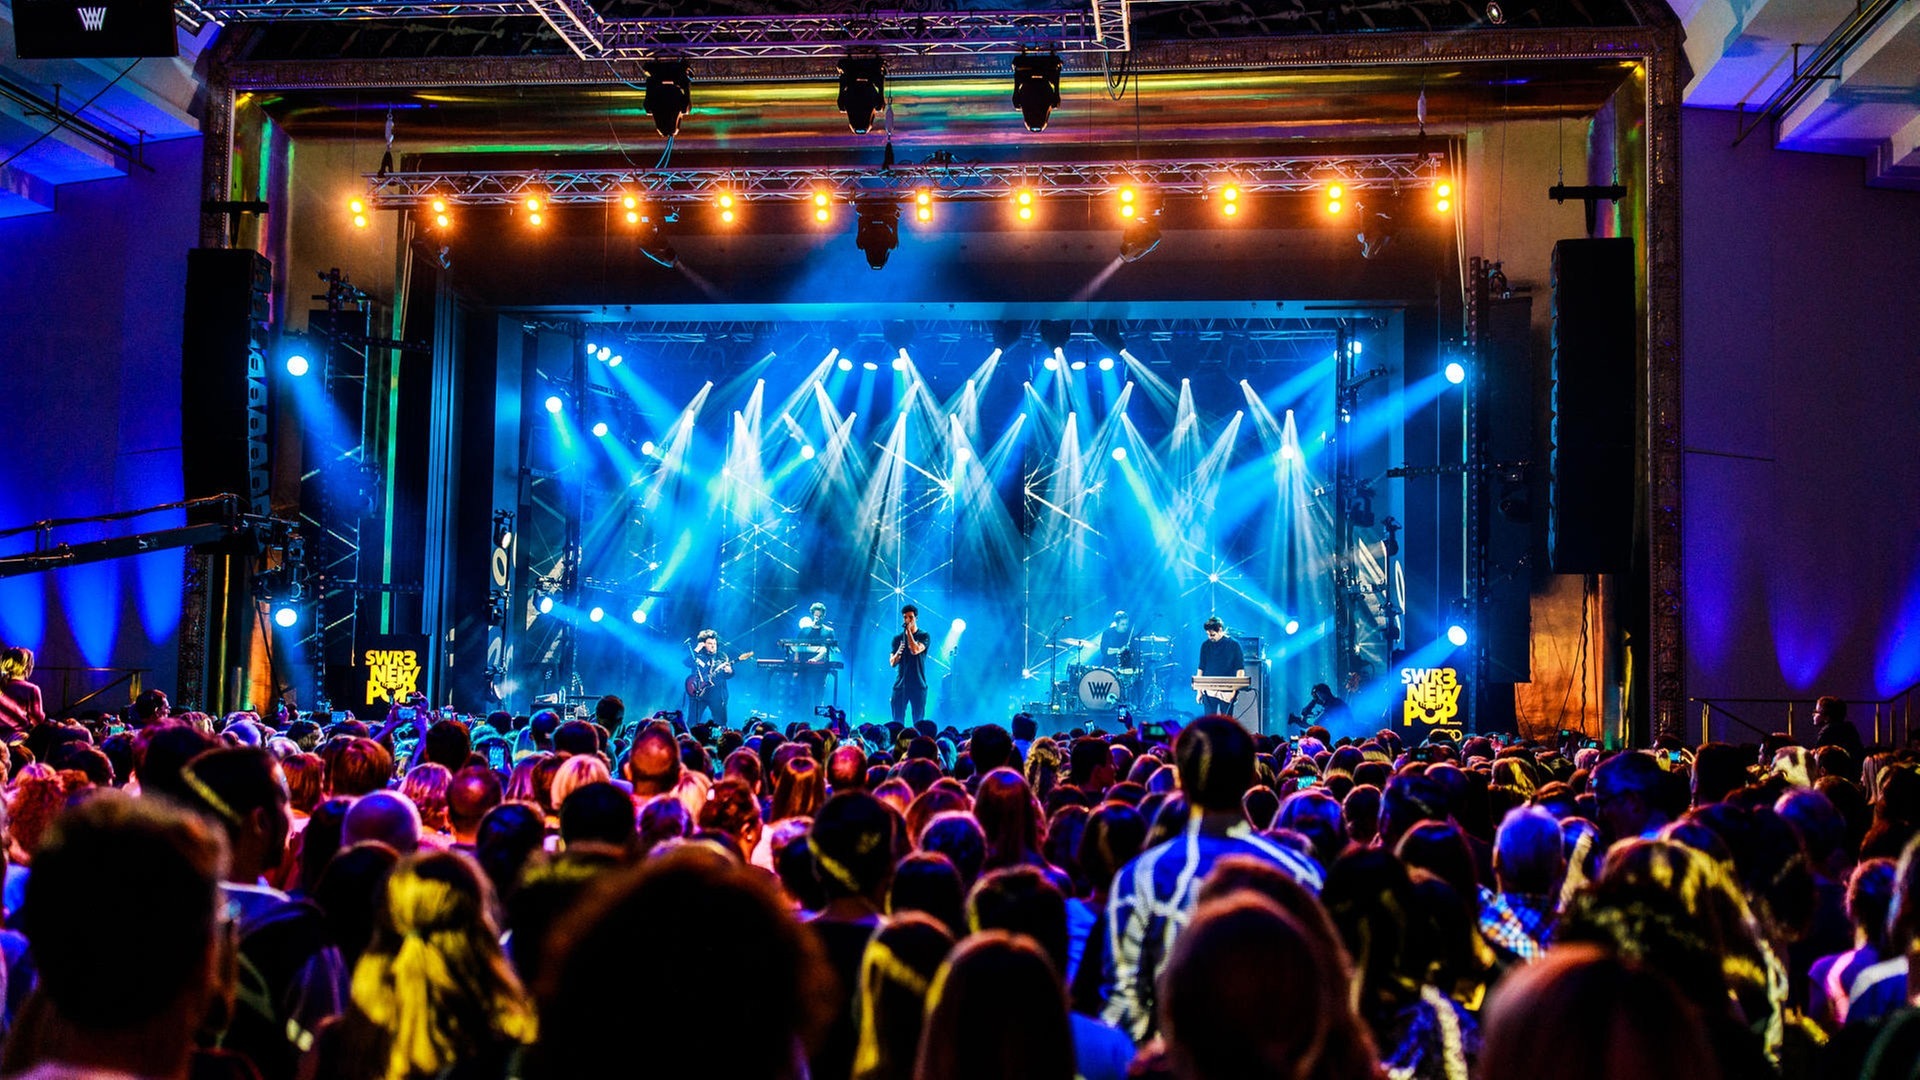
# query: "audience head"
598 813
386 817
1214 757
243 790
1020 900
851 842
926 882
895 974
473 791
653 762
997 1008
766 969
1528 856
1248 991
1631 791
508 834
150 990
1583 1013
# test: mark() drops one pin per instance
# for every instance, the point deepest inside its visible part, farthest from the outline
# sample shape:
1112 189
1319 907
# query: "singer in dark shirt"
909 662
1220 655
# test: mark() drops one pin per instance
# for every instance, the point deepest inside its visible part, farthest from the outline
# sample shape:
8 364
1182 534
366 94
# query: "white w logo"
93 18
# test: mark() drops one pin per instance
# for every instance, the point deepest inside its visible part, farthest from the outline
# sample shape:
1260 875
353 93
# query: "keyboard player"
815 644
1220 655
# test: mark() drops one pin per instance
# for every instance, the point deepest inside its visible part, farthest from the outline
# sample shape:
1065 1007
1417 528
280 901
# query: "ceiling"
1855 88
1825 76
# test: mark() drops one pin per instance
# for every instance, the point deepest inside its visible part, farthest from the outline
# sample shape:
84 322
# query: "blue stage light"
1457 635
1106 363
297 365
640 615
553 404
285 616
647 448
845 364
1456 373
546 605
806 453
1119 453
596 614
1293 626
600 429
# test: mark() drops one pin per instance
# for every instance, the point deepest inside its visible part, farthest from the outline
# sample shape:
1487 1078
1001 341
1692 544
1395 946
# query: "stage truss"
943 180
1099 27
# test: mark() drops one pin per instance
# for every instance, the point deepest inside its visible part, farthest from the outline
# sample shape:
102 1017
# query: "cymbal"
1077 643
1155 638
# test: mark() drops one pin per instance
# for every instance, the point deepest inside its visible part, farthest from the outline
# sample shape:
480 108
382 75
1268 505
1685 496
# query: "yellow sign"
1433 696
392 674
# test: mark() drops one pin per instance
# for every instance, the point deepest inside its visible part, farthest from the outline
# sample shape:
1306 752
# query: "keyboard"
798 666
1218 685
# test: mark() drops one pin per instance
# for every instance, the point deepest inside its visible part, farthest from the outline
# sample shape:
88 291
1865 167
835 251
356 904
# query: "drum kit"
1131 679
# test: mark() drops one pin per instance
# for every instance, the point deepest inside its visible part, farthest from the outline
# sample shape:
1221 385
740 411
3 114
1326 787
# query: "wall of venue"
1802 389
91 300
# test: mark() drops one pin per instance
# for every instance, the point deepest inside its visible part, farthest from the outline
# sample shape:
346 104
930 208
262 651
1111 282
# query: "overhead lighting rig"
878 232
863 91
945 181
1036 88
669 95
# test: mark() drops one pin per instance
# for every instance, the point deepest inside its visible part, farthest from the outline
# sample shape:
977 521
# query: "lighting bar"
1097 27
973 181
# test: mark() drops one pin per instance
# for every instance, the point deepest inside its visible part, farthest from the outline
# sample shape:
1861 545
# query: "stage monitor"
93 29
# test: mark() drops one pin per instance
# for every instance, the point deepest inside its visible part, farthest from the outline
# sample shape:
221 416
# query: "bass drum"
1098 689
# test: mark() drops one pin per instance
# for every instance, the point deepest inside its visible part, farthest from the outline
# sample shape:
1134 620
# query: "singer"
909 662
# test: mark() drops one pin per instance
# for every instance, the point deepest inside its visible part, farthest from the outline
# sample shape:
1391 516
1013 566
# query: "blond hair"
16 663
434 978
575 773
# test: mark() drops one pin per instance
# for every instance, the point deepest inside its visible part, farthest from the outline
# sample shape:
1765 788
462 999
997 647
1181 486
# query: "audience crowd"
432 896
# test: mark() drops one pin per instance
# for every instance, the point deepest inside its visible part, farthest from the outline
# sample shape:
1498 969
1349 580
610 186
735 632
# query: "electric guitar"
702 679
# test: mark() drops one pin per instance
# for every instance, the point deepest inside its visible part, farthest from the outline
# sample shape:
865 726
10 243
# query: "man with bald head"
847 768
474 791
653 762
385 816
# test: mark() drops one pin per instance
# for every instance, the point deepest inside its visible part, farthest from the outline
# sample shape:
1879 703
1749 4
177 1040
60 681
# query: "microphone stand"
1053 665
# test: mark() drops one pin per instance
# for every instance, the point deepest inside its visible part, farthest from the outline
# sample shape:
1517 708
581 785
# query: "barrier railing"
1882 721
86 682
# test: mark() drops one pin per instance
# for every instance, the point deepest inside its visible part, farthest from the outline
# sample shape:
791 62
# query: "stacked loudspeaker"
1595 320
224 412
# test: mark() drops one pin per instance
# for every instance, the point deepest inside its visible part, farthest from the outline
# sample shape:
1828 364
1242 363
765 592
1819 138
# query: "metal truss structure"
1099 27
959 331
946 181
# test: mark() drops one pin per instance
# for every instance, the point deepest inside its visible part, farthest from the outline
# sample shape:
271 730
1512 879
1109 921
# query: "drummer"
1116 642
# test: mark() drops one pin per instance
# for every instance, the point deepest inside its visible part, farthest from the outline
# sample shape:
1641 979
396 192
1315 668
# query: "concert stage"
1019 481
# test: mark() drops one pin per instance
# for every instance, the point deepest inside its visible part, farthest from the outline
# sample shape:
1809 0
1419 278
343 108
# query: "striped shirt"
1153 899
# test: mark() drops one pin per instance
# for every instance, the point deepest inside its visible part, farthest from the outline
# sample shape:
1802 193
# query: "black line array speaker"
1512 489
1250 705
1591 477
224 404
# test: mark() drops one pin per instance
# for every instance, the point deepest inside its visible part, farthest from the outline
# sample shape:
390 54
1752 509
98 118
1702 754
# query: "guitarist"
707 685
1219 655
